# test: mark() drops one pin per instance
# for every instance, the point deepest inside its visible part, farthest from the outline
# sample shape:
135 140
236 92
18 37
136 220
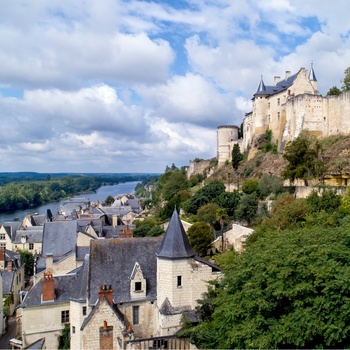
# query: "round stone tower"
227 136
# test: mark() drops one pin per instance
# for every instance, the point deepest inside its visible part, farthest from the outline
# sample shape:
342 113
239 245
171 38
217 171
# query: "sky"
134 86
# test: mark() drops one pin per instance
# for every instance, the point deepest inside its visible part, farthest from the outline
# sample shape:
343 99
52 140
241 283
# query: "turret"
312 77
260 107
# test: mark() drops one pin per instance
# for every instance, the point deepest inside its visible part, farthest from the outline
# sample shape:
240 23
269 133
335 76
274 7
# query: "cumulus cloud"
137 85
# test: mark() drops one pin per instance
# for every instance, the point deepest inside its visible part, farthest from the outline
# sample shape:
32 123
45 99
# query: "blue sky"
123 86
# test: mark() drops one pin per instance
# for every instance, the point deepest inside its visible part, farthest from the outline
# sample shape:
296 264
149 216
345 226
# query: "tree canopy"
304 156
237 156
200 236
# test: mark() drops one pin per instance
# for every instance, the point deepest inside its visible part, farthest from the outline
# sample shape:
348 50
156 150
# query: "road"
5 339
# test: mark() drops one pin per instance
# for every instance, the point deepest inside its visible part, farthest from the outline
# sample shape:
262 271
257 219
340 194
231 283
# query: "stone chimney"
287 74
49 262
2 258
276 79
106 292
9 265
48 287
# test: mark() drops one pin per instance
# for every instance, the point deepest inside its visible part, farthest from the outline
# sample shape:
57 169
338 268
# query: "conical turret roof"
312 76
175 244
261 88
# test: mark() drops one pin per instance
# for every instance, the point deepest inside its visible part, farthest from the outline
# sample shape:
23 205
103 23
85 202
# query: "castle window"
138 286
135 314
278 115
65 316
179 281
269 105
278 101
73 329
84 310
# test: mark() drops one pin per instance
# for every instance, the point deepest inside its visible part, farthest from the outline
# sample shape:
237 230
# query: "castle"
286 108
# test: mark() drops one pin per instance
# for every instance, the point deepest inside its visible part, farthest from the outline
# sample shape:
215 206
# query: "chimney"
48 287
276 79
287 74
49 262
9 265
2 257
106 292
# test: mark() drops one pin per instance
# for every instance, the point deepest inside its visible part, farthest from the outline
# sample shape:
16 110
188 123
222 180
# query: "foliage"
287 212
148 227
64 338
269 146
270 184
251 185
248 171
200 236
228 201
171 182
207 213
345 202
334 91
247 207
288 290
304 158
8 299
28 259
346 80
237 156
109 200
195 179
329 201
205 195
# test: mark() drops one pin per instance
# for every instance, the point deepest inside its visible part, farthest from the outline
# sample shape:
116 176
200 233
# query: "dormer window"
179 281
138 286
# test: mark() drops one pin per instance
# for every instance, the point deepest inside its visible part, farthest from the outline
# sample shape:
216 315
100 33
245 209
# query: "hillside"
336 156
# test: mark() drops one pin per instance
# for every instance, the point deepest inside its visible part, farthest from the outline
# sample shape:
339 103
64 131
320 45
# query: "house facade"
126 290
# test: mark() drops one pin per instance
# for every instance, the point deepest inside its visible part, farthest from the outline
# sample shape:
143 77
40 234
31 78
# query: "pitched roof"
7 280
80 292
65 286
33 236
112 262
175 244
275 89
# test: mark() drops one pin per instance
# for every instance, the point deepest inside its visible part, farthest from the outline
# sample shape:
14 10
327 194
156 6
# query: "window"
17 280
3 245
65 316
84 310
135 314
179 281
31 246
73 329
2 236
19 276
138 286
278 102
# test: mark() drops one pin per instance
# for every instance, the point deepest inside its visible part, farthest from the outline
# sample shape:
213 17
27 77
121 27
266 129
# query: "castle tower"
260 108
174 276
312 77
227 136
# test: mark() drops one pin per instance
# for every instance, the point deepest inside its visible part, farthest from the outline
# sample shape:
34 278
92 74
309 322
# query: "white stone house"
125 291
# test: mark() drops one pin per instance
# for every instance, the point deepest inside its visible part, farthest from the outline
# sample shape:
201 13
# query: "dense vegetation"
290 288
25 194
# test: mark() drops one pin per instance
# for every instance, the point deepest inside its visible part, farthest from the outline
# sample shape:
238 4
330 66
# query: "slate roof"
11 227
59 238
95 223
81 252
65 286
112 262
175 244
33 236
7 280
275 89
114 231
80 292
37 345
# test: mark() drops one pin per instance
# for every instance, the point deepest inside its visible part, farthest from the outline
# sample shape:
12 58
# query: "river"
101 194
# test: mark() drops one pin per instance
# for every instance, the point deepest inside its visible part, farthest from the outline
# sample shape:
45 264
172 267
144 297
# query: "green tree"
64 338
345 202
248 207
334 91
304 156
346 80
109 200
251 185
328 201
228 201
28 260
237 156
270 184
200 236
288 290
207 213
147 228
